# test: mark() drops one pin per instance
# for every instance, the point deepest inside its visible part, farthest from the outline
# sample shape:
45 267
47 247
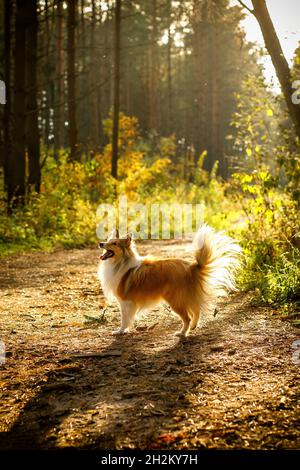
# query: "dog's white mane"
111 273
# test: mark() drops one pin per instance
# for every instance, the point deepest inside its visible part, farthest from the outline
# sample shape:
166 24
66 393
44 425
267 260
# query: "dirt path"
232 384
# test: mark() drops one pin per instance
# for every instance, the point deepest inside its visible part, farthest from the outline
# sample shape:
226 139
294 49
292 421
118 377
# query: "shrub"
64 213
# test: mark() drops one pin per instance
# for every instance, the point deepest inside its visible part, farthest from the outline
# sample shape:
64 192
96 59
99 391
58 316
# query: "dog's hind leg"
182 311
128 311
185 322
195 319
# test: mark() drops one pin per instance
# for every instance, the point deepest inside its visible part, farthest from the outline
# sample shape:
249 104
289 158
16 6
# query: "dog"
138 283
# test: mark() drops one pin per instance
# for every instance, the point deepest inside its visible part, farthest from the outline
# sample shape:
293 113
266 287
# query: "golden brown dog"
189 288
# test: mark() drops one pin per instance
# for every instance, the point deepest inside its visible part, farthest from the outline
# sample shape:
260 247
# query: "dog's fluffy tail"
217 256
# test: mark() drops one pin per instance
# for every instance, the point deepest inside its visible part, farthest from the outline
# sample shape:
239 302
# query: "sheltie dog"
190 289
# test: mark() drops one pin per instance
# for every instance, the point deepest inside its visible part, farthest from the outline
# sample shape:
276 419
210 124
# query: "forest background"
161 101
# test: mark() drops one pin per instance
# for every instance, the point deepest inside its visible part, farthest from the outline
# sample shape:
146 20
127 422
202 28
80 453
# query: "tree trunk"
93 82
7 107
16 166
106 67
115 136
153 72
280 63
72 127
169 62
46 78
59 109
212 124
83 54
32 137
201 59
100 74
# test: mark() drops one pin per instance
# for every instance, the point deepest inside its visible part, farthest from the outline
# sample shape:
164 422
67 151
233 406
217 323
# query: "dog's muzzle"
107 254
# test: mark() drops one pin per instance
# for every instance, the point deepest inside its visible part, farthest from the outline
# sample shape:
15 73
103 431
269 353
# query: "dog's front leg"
128 310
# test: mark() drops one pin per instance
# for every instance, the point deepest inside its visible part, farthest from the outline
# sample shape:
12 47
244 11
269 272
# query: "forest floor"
232 384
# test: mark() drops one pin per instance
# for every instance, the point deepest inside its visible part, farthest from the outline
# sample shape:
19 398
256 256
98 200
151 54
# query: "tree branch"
245 6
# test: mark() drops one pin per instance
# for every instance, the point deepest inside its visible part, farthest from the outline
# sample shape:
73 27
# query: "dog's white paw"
119 332
181 334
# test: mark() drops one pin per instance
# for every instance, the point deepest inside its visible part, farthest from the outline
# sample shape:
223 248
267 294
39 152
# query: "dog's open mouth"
107 254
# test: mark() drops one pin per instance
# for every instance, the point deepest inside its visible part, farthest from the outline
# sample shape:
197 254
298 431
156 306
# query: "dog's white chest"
110 276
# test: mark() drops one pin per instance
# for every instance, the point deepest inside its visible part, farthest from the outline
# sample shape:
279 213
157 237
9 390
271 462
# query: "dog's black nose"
101 245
